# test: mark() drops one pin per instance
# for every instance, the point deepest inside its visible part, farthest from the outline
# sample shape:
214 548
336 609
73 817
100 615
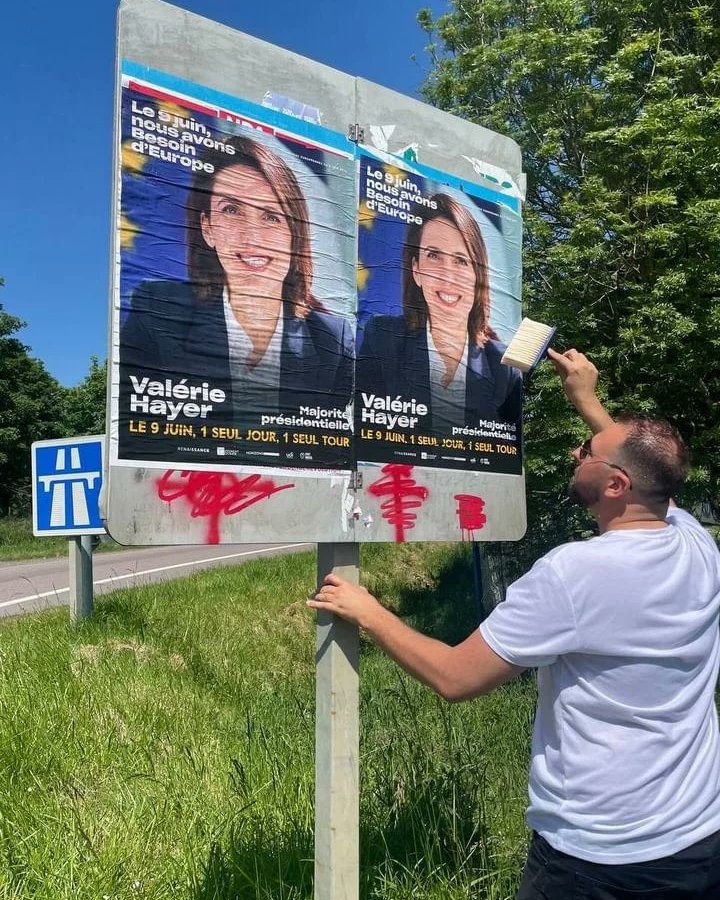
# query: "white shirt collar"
448 401
267 370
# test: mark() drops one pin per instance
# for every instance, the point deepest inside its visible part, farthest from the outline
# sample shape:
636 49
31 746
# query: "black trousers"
691 874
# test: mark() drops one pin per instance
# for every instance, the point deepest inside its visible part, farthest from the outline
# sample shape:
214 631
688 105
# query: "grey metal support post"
337 766
81 577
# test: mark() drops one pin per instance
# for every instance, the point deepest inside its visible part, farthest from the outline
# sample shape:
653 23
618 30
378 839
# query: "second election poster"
438 298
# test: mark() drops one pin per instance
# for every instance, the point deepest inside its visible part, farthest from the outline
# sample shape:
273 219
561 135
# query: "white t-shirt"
624 629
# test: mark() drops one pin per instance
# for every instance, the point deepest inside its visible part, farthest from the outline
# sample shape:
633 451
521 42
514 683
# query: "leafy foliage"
34 406
85 403
31 404
616 106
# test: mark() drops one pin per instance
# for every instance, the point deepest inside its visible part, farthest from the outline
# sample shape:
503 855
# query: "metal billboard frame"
327 507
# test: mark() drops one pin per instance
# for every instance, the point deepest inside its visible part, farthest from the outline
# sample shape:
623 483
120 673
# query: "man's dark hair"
655 455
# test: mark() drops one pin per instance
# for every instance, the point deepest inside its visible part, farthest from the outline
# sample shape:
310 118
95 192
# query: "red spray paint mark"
214 494
403 494
470 513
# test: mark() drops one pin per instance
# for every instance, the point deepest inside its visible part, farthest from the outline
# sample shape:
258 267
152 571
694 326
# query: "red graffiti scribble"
403 494
214 494
470 513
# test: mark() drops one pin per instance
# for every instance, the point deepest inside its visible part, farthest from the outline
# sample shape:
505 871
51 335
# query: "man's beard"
586 495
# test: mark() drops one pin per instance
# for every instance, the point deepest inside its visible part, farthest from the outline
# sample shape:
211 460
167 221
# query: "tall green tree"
85 403
31 409
616 106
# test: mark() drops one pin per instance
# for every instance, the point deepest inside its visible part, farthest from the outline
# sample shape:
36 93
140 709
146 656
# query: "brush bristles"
528 345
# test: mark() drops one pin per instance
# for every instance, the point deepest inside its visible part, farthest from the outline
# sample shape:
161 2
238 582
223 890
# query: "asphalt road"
39 583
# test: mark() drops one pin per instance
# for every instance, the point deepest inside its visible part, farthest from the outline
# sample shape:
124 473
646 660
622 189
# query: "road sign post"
337 767
81 577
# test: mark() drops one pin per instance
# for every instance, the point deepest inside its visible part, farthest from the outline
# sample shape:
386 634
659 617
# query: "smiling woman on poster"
246 320
442 351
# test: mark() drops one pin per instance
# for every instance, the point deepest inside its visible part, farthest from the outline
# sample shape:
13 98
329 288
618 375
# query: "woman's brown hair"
415 308
204 270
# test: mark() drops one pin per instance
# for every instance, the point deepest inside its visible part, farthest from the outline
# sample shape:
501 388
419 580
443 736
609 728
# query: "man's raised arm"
579 379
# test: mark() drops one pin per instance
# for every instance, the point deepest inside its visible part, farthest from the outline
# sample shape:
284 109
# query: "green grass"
18 542
164 749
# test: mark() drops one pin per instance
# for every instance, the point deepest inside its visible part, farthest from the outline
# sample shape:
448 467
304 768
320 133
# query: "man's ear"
618 485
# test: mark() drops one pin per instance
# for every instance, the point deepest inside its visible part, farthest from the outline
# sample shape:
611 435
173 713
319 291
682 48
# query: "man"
623 629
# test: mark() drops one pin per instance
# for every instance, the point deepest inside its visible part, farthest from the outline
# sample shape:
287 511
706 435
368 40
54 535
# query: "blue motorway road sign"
66 481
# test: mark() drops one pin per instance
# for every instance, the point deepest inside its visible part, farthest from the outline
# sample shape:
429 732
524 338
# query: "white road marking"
183 565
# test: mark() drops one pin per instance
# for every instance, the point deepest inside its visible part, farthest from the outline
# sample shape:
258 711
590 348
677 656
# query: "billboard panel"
246 299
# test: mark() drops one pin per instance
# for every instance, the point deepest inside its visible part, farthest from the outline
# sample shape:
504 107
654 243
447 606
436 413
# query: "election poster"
439 268
235 303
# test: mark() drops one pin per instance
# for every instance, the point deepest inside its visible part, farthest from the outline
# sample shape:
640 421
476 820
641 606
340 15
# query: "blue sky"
57 67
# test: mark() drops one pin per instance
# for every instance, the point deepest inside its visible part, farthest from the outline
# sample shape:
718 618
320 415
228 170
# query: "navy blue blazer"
393 360
171 334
